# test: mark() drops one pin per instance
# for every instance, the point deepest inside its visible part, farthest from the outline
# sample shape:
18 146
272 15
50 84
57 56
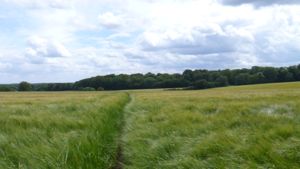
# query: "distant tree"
6 89
200 74
149 74
188 75
257 78
87 89
24 86
295 71
222 81
297 74
149 82
284 75
242 79
199 78
228 73
213 84
270 74
201 84
100 89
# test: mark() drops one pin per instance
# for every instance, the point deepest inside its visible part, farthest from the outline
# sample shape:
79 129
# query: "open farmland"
59 130
255 126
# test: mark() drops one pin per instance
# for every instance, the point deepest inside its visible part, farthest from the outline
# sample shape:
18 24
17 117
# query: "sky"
68 40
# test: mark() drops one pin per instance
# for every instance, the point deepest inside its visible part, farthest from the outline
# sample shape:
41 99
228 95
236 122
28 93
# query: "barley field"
255 126
60 130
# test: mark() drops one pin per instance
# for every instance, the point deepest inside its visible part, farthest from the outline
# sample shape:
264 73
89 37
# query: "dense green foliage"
53 86
189 79
24 86
255 126
40 87
60 130
7 88
199 79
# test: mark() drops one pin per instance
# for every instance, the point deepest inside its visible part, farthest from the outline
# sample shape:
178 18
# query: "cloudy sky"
67 40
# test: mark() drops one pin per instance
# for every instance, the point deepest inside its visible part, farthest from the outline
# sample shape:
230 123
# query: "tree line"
189 79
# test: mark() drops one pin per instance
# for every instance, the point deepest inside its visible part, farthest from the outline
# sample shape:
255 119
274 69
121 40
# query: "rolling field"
256 126
59 130
235 127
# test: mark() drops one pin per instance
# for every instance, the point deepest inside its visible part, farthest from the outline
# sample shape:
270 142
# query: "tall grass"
60 130
235 127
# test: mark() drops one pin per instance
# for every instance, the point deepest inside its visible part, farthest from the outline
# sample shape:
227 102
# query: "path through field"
255 126
228 127
119 155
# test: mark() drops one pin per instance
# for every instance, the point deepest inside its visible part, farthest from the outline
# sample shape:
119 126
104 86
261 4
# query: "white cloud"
37 4
130 36
41 47
259 2
5 66
110 20
197 40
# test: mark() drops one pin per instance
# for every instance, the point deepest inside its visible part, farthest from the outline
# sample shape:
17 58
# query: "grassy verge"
236 127
60 130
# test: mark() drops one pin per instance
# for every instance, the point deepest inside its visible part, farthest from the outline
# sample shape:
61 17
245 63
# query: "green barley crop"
254 126
60 130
